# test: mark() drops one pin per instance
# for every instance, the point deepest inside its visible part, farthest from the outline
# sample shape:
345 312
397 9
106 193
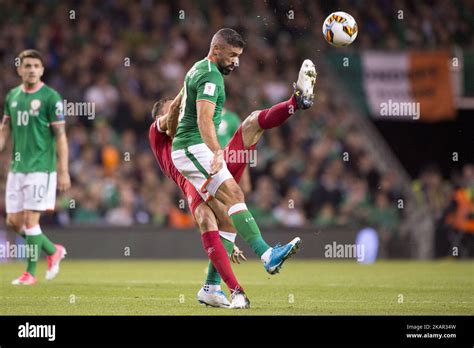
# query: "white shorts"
194 163
30 191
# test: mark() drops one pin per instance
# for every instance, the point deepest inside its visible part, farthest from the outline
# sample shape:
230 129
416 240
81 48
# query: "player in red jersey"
212 218
160 143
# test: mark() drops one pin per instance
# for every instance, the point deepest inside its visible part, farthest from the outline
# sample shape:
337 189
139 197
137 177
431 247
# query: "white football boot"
213 298
239 300
304 87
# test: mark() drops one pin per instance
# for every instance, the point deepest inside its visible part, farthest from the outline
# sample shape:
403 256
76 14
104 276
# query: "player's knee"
205 219
32 218
226 225
207 224
14 223
251 130
230 193
236 194
251 122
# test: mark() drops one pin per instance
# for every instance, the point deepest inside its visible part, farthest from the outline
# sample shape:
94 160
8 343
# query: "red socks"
277 114
218 255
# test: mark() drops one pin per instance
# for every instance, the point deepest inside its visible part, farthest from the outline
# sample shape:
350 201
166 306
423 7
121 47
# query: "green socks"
48 247
247 228
36 241
34 247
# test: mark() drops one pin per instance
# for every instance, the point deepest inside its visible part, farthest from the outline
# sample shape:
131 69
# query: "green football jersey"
30 117
202 82
229 124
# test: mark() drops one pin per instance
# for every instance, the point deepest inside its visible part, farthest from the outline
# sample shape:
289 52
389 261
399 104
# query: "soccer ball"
340 29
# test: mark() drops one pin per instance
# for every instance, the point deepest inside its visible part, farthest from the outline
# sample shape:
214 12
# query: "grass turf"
302 288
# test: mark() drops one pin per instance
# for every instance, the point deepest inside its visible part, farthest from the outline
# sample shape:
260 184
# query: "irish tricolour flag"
403 85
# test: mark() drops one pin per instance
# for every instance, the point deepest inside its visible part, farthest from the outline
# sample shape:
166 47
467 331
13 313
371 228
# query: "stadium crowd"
139 51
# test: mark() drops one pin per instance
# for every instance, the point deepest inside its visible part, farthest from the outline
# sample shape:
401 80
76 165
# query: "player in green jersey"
213 216
33 115
197 154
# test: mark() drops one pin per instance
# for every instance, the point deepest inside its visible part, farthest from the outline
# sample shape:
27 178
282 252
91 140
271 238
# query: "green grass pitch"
302 288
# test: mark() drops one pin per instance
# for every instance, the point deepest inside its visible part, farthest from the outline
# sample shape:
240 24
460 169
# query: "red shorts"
234 155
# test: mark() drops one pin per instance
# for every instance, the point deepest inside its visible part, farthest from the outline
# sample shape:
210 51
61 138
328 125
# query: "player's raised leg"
255 124
250 132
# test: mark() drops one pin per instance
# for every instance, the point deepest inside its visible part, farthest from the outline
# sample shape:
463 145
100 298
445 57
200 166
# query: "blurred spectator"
431 188
328 190
289 212
122 215
262 203
460 216
104 96
384 218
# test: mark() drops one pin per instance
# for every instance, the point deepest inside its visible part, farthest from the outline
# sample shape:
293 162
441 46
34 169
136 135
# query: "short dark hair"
30 53
231 37
158 106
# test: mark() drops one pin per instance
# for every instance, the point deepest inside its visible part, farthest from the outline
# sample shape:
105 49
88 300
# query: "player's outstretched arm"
64 181
173 116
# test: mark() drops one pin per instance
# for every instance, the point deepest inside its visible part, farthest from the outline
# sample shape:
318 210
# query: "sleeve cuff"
198 100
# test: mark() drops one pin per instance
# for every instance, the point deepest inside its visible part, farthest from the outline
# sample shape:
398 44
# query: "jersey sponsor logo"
209 88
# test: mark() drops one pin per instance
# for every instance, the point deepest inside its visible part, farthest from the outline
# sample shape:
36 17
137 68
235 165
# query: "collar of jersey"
36 89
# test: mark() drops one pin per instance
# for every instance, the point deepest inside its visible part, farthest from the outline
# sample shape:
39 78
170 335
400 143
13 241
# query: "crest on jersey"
34 107
14 104
35 104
